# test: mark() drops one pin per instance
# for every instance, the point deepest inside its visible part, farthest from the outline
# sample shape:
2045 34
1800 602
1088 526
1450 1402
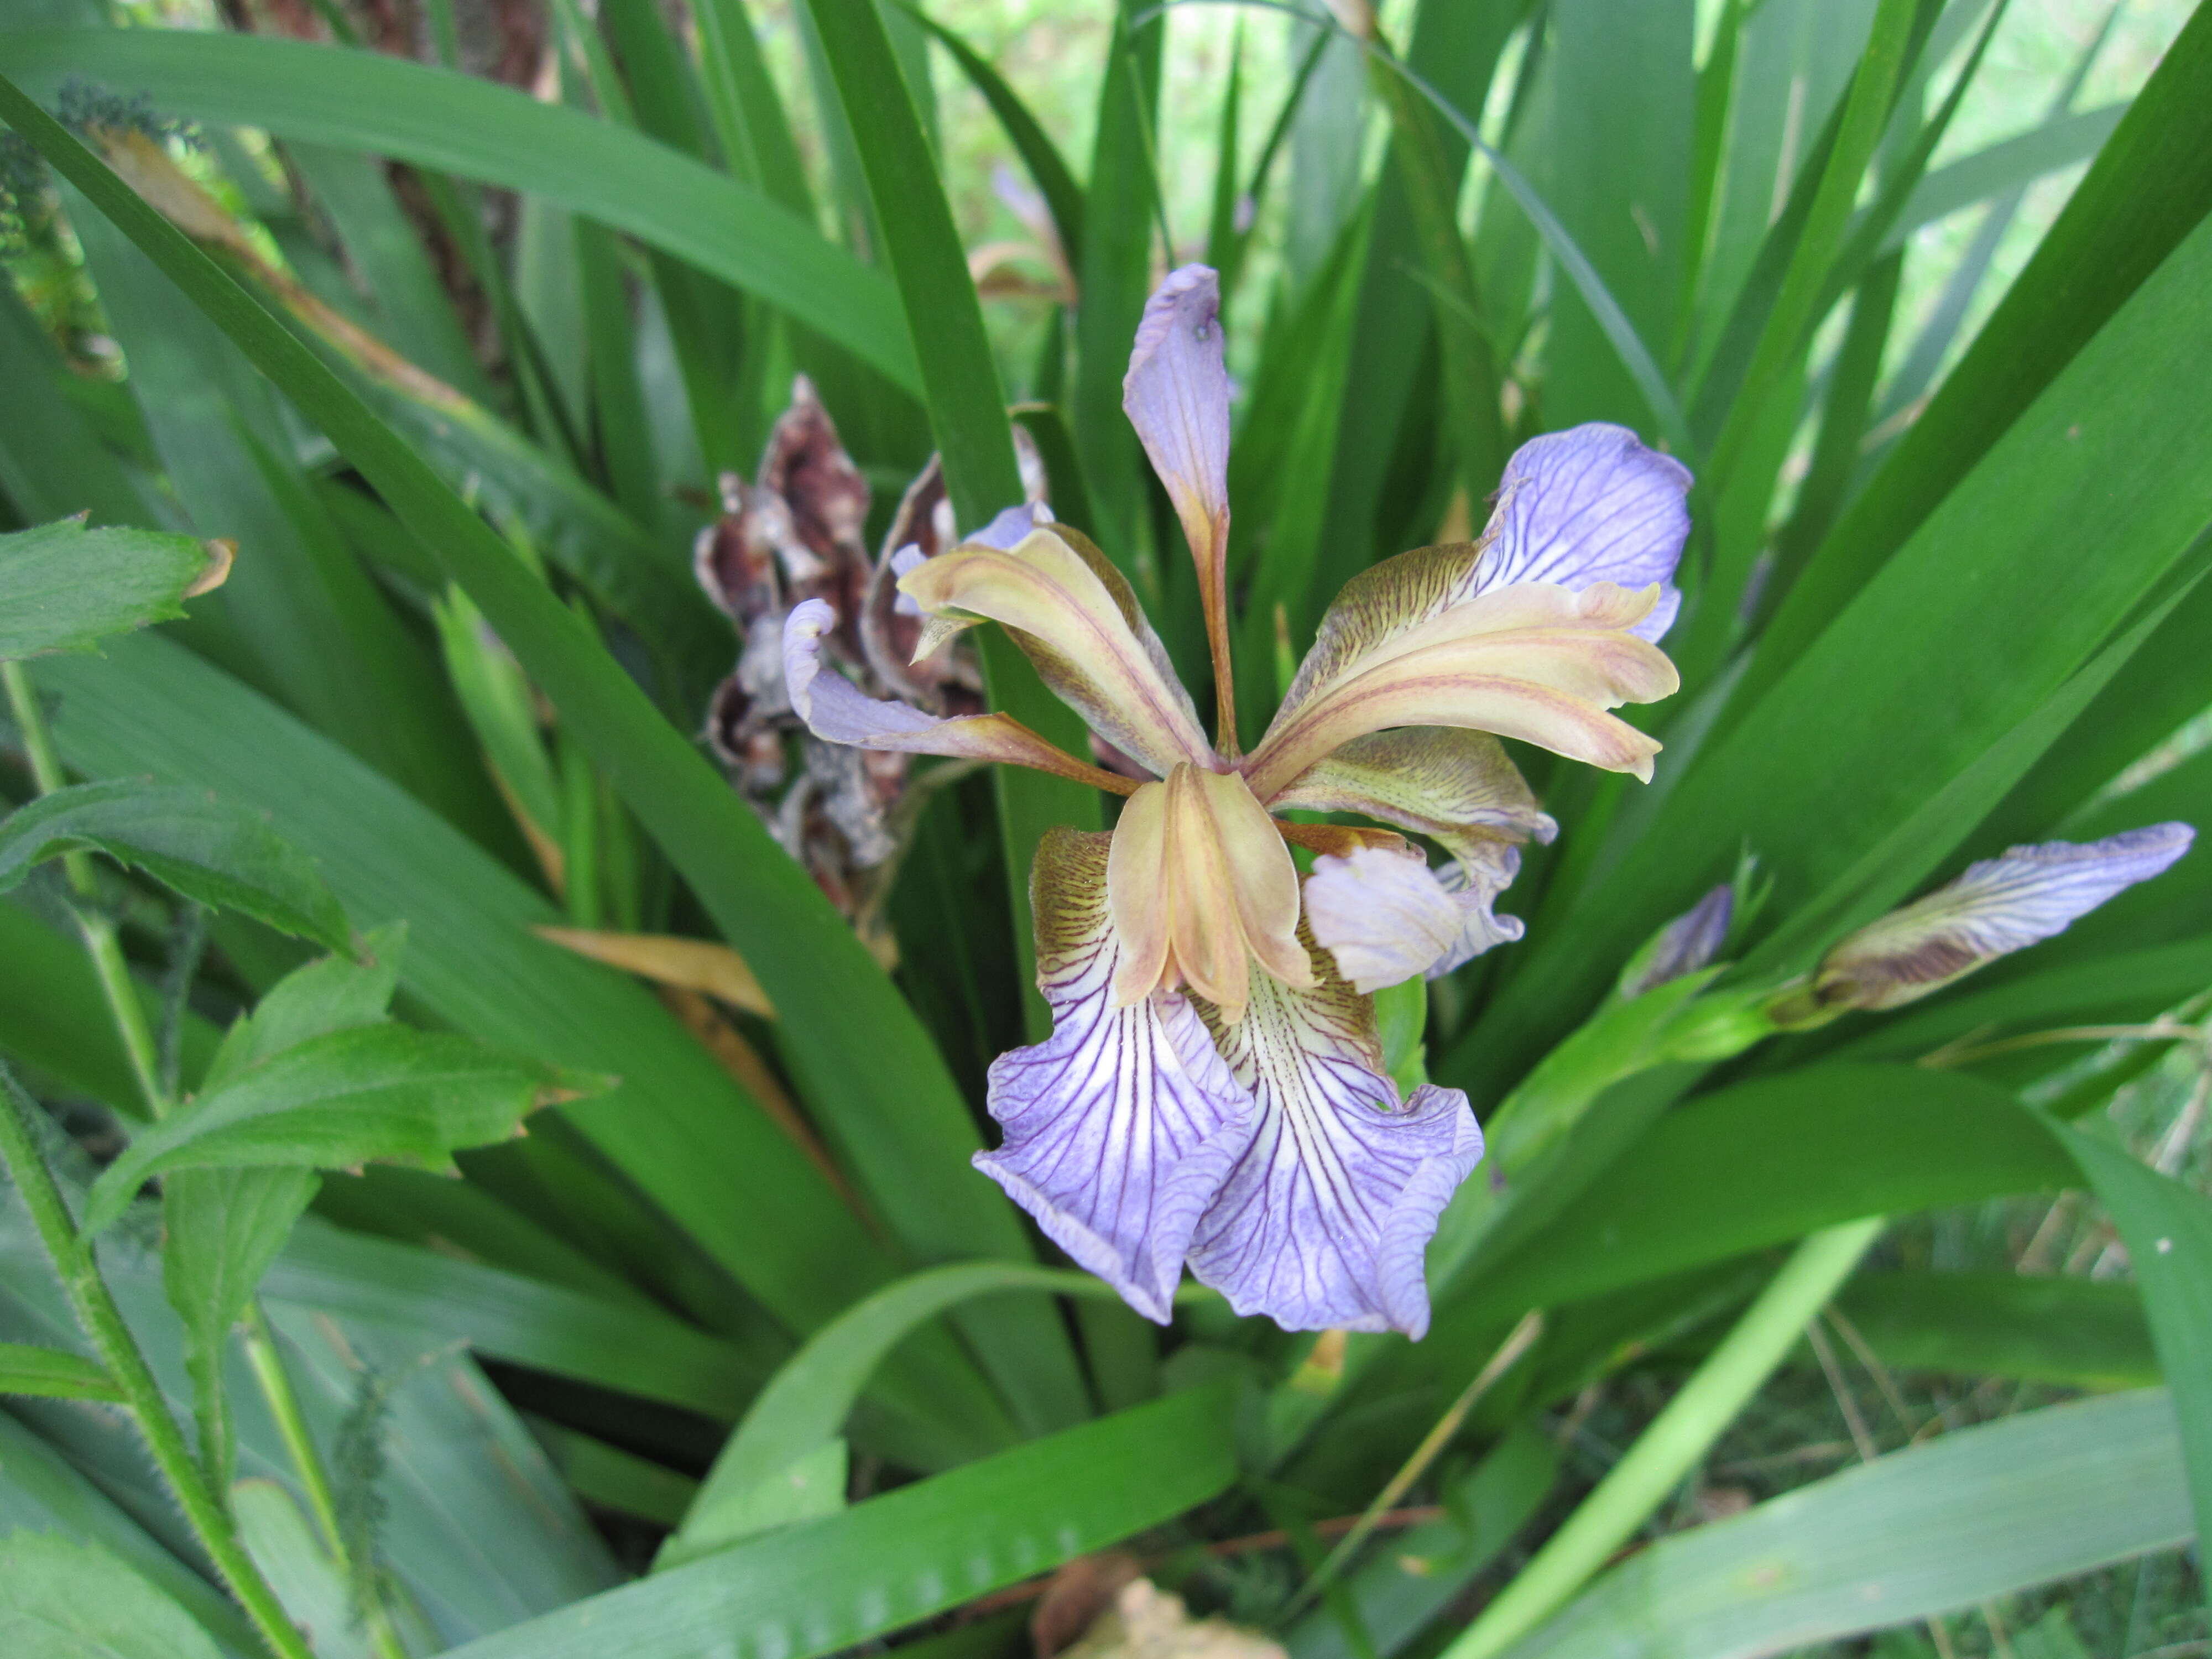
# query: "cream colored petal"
1202 887
1092 648
1136 861
1539 664
1263 879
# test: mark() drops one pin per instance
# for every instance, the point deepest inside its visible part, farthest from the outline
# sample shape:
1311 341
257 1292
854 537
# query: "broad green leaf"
60 1600
40 1491
53 463
2167 1228
897 1559
1953 666
890 1094
385 1092
297 1565
2075 1332
63 587
1023 1347
609 1478
206 847
772 1470
1424 1570
1761 1163
305 622
2063 141
1115 274
1864 115
1454 48
25 1369
1048 170
1975 1515
1624 108
504 1315
2151 184
476 128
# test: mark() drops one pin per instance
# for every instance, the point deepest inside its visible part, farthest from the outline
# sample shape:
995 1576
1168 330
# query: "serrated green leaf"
1974 1516
219 1231
898 1559
207 848
334 994
60 1600
384 1092
53 1372
892 1092
63 587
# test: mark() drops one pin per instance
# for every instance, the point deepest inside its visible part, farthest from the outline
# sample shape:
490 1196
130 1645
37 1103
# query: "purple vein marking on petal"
1323 1220
1588 505
1120 1126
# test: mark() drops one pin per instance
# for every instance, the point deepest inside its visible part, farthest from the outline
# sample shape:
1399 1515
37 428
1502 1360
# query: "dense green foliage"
483 1177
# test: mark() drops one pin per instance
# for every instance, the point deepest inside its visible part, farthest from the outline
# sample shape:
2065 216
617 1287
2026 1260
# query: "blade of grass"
454 124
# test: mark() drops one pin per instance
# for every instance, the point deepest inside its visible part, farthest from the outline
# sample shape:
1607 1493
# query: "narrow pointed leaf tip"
1998 906
1176 396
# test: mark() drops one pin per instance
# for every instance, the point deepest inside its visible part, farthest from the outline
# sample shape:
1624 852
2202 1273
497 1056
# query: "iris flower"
1212 1092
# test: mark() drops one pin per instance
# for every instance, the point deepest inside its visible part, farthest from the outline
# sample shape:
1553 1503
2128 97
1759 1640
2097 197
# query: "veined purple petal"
1122 1124
1482 871
1176 396
1998 906
1325 1218
1684 944
1380 914
1592 504
837 711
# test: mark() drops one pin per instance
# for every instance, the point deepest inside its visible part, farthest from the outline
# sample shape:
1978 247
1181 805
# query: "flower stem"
102 1321
267 1360
99 940
1677 1438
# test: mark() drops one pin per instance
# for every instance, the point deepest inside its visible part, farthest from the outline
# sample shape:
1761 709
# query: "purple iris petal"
1122 1124
1592 504
1324 1219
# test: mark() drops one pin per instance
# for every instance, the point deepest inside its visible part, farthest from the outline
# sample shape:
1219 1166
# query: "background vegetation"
453 317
